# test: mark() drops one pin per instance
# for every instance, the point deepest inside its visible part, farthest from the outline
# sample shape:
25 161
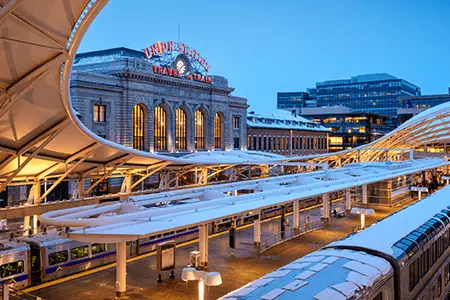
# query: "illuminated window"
218 127
160 129
180 130
99 113
200 130
138 127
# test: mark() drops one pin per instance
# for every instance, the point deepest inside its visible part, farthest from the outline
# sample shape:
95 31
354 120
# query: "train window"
413 274
447 274
152 237
379 296
166 234
79 252
424 258
99 248
58 257
439 284
12 268
442 217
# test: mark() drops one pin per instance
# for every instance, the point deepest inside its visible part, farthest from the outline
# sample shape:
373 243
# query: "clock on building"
180 64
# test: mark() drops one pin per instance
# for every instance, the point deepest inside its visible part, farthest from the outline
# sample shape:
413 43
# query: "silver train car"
14 264
52 257
405 256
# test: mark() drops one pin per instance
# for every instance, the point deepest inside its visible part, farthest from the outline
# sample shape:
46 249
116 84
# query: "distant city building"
294 100
286 134
372 93
350 129
411 106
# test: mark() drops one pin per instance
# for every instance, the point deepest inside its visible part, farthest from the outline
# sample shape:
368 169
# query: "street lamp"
208 278
363 212
446 178
419 189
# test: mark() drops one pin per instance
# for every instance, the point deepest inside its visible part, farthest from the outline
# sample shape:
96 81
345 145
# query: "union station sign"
178 60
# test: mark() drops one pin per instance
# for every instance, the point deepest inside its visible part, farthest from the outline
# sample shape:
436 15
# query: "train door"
132 248
35 264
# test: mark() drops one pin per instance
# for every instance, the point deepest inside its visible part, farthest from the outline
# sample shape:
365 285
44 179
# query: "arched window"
199 130
160 129
180 130
138 127
218 124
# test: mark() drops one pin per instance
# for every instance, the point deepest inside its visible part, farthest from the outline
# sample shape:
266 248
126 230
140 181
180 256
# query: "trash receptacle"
195 259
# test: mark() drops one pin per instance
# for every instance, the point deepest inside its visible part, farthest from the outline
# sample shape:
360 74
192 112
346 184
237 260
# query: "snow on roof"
149 222
382 235
331 282
282 119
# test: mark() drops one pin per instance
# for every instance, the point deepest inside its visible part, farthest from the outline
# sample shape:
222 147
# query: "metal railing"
289 234
9 293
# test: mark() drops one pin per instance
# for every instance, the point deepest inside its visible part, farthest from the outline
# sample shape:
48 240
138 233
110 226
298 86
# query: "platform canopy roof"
40 134
137 217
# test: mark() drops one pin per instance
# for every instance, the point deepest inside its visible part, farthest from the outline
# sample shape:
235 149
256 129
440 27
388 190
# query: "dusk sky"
267 46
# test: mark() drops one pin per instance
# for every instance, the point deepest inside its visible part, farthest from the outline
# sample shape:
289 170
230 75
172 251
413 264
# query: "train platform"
237 266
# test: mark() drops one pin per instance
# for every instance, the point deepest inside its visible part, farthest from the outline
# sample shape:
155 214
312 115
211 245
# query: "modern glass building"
350 129
411 106
294 100
372 93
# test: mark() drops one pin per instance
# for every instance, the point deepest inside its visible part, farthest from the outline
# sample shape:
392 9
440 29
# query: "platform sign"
166 256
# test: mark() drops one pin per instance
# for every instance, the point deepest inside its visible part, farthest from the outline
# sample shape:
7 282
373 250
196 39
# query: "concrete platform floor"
237 266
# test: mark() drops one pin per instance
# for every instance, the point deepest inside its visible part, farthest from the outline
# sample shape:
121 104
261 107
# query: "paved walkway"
237 266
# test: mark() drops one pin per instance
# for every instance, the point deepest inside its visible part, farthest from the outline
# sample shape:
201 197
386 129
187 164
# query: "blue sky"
266 46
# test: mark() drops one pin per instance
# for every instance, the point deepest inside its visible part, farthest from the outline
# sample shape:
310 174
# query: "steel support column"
325 207
296 215
203 245
364 194
348 199
257 231
121 270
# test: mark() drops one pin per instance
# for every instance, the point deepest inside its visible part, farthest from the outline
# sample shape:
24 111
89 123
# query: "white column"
420 195
363 221
326 206
364 194
121 270
81 188
26 225
296 215
36 195
257 231
235 193
203 244
348 199
126 184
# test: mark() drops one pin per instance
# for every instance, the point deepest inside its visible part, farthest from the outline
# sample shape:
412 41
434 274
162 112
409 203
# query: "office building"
372 93
350 129
411 106
294 100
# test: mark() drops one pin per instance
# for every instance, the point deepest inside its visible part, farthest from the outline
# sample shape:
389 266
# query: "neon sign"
174 73
167 47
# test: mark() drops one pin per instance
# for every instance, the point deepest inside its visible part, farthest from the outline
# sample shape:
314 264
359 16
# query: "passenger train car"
47 256
405 256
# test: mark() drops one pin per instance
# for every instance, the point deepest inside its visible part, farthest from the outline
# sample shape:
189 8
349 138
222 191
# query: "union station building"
161 99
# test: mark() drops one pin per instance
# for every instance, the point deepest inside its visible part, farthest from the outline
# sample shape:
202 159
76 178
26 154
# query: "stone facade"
286 134
121 78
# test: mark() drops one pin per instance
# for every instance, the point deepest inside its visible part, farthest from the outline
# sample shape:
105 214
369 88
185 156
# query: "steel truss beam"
49 138
117 164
